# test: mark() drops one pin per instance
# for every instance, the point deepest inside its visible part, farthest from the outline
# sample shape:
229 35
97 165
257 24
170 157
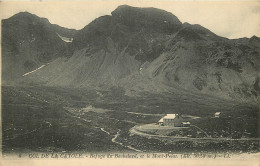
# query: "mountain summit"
153 19
28 42
150 50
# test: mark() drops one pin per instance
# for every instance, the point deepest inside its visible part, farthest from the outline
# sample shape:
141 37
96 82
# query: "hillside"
28 42
150 50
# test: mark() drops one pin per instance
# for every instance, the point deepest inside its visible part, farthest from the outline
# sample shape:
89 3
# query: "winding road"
105 131
133 131
129 147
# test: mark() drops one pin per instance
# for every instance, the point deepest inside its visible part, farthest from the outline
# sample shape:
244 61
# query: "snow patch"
66 39
34 70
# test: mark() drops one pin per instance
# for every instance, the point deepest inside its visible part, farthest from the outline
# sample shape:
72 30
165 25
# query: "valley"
46 119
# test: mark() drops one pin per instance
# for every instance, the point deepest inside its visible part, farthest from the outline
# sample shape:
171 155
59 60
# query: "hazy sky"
228 19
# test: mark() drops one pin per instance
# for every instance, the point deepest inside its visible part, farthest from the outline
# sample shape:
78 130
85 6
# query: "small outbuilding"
185 124
217 114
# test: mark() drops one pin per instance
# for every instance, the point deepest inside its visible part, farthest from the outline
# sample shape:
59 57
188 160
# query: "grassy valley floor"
48 119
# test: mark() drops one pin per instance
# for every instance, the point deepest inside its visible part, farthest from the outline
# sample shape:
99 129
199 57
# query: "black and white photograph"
164 80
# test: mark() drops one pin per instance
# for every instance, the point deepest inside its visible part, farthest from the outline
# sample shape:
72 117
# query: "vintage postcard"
130 82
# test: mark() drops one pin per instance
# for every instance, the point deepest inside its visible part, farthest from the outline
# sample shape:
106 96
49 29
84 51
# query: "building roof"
170 116
185 122
161 120
217 113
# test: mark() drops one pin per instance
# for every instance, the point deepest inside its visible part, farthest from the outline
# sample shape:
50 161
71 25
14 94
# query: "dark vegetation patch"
199 83
34 119
231 125
183 146
29 65
228 63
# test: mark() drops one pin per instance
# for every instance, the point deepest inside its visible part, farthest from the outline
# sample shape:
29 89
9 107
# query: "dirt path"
127 121
200 130
133 131
102 129
119 143
108 133
137 113
129 147
35 98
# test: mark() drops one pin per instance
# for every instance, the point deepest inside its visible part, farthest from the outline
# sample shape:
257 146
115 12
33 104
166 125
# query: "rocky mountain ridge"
150 50
28 42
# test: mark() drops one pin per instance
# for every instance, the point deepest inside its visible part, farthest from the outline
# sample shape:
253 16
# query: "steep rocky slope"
147 49
28 42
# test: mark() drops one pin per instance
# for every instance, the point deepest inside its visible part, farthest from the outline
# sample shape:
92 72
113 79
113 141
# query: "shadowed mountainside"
28 42
148 49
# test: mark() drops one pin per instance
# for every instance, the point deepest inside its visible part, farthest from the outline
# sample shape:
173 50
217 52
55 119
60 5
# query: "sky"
231 19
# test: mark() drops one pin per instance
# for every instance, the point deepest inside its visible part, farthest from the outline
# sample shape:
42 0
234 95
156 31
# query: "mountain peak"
127 8
149 12
123 7
255 38
151 18
27 17
199 30
23 15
